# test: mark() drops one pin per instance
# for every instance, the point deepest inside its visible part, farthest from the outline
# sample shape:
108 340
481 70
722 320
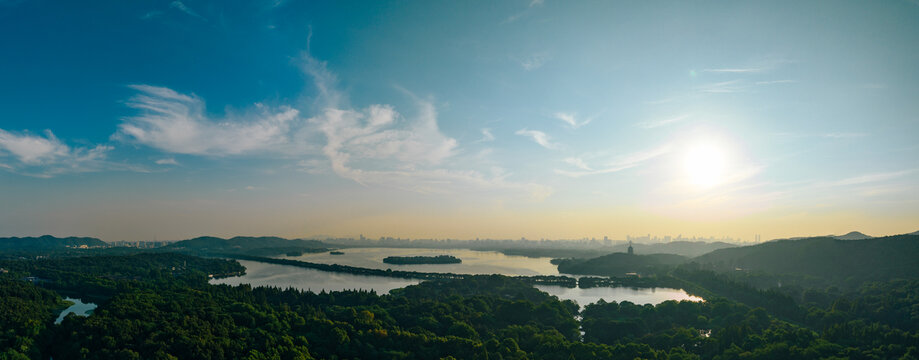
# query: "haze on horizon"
418 119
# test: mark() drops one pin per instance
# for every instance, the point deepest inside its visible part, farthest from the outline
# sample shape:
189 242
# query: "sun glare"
705 164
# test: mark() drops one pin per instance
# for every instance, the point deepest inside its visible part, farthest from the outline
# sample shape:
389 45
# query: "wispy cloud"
532 4
31 149
487 136
534 61
538 137
178 5
177 123
845 135
151 15
571 119
167 161
774 82
578 163
735 70
723 87
47 156
379 146
620 163
871 178
659 123
373 133
758 66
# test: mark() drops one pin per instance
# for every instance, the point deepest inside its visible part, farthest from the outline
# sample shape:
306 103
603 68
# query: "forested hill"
618 264
263 245
684 248
875 259
47 242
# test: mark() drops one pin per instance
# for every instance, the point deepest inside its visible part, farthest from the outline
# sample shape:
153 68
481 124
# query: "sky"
166 120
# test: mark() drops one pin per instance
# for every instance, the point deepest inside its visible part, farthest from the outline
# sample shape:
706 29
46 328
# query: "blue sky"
543 119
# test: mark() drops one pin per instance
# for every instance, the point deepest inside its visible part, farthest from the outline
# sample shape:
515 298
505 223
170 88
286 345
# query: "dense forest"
160 305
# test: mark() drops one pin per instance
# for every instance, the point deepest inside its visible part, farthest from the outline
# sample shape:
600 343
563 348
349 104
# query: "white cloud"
373 134
735 70
167 161
487 136
659 123
621 163
379 146
733 86
178 5
177 123
539 137
46 156
571 119
402 157
838 135
151 15
579 163
534 62
31 149
531 5
871 178
773 82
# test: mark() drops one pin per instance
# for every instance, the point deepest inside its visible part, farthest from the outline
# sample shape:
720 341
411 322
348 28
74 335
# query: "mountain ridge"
48 242
879 258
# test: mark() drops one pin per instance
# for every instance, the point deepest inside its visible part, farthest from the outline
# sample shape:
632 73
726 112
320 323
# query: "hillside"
47 242
262 245
618 264
851 261
683 248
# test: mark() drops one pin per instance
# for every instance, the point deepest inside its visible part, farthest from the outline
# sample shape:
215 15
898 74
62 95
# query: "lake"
283 276
474 262
618 294
80 308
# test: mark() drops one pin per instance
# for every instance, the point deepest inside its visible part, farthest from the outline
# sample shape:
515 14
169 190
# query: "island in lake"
414 260
336 253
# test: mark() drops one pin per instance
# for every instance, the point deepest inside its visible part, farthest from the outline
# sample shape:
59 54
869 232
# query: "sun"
704 164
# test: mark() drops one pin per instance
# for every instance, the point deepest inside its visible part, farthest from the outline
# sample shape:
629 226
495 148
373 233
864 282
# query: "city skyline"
518 119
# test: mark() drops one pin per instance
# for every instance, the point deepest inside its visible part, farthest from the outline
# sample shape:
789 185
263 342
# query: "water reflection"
639 296
474 262
282 276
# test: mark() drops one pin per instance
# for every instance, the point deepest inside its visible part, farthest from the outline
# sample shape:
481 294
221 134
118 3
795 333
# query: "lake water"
80 308
639 296
284 276
474 262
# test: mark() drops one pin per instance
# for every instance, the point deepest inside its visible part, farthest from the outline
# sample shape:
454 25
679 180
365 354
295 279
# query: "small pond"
80 308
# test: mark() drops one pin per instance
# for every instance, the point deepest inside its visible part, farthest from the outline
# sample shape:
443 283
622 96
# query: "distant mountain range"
261 245
48 242
852 235
684 248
